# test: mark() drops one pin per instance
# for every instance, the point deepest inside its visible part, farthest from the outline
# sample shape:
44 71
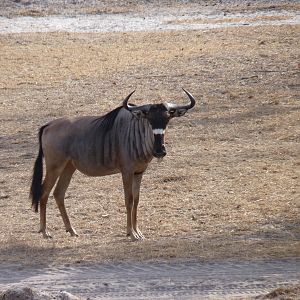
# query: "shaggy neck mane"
105 123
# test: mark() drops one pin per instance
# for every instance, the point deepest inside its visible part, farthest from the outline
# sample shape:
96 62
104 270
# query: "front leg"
137 179
128 179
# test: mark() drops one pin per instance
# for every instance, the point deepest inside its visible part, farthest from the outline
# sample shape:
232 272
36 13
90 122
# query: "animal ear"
177 112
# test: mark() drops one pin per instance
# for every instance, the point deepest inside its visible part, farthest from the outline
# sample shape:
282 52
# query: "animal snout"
159 153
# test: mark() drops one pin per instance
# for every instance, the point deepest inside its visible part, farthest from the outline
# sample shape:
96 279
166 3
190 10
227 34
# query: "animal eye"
172 111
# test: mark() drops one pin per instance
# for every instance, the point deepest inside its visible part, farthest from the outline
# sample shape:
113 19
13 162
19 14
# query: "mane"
105 123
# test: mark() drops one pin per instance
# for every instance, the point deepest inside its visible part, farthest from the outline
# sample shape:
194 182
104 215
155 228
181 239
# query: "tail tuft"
36 188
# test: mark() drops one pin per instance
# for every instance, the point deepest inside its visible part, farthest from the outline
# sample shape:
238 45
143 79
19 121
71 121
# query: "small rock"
23 293
67 296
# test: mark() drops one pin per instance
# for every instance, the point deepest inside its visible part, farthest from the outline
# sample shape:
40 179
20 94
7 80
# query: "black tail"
37 177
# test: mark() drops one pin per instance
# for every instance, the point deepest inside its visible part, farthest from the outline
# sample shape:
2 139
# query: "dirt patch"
229 186
227 190
231 20
171 279
150 19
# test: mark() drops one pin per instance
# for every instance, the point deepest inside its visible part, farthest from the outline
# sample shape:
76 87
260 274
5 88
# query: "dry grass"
36 8
229 20
229 186
263 6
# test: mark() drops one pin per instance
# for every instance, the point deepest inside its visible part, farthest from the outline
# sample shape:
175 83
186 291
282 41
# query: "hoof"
46 234
72 232
136 235
140 234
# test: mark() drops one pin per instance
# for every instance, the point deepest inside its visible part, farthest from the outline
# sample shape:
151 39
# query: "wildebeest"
123 141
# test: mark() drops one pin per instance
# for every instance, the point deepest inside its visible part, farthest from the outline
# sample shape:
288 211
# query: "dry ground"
229 186
12 8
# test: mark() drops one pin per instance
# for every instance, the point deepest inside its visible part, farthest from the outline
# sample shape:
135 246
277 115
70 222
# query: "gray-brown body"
97 153
123 141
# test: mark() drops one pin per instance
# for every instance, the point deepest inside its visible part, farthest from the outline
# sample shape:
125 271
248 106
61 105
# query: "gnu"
123 141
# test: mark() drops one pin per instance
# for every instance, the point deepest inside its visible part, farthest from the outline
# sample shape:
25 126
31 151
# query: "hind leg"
49 181
59 195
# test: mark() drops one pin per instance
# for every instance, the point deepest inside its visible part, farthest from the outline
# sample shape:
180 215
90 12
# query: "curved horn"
193 102
125 102
188 106
134 107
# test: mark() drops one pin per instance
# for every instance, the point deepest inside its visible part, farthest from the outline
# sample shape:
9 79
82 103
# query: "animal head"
158 116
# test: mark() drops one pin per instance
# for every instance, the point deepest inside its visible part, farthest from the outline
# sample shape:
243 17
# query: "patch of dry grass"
265 6
37 8
229 186
229 20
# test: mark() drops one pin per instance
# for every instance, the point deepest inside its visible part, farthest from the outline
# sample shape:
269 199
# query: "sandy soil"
229 186
164 279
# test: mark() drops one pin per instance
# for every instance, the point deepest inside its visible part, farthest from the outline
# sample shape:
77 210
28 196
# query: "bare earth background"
229 186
